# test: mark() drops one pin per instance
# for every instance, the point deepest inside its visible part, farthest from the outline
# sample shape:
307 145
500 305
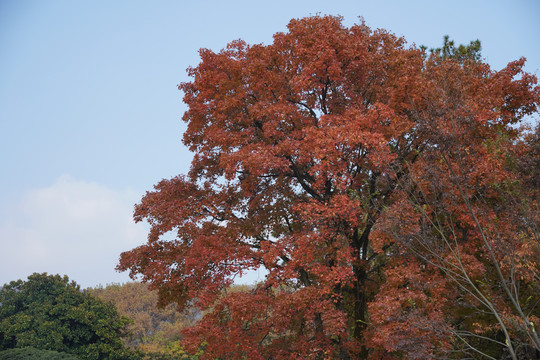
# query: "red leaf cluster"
367 178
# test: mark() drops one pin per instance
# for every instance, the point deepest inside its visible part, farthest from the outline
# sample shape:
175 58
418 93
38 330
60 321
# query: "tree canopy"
48 312
153 330
30 353
379 186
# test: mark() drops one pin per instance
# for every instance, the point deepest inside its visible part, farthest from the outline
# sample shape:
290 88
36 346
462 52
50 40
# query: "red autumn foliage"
326 157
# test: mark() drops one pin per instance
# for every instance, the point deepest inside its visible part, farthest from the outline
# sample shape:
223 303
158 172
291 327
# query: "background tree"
300 147
154 329
30 353
49 312
461 53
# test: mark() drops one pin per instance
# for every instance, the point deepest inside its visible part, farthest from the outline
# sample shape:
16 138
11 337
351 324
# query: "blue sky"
90 111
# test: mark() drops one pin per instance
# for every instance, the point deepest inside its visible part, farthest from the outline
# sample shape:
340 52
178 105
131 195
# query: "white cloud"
74 228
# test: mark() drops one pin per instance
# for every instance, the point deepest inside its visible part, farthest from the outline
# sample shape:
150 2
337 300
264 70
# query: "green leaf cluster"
30 353
460 53
49 312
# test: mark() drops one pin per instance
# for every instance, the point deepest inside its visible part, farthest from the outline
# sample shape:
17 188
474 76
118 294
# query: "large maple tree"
308 153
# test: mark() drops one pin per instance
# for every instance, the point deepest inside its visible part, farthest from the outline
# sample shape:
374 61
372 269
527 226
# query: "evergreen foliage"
49 312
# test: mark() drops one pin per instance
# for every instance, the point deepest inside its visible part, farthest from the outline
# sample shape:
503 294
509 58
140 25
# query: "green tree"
30 353
49 312
460 53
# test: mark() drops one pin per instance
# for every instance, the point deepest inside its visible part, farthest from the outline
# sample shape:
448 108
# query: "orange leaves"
336 158
258 324
407 313
244 316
